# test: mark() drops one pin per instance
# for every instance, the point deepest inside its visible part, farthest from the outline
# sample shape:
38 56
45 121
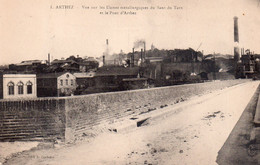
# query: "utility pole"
192 63
214 65
192 59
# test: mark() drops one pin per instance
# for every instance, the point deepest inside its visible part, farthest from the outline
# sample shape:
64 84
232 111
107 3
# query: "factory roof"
117 71
51 75
84 75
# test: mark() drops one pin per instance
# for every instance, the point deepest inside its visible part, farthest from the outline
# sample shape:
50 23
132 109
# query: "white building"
13 86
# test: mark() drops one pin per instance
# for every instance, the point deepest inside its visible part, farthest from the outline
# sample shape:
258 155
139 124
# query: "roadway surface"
201 133
235 149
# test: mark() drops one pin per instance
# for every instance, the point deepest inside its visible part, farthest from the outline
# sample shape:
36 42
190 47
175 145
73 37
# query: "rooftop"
84 75
117 71
51 75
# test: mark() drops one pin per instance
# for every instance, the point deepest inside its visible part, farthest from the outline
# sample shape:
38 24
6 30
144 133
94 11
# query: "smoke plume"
139 43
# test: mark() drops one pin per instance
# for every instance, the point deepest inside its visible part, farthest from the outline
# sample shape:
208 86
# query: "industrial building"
56 84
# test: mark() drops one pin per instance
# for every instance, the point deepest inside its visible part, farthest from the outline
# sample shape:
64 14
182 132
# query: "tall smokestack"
144 49
133 58
236 40
49 59
236 36
106 54
104 60
141 54
141 57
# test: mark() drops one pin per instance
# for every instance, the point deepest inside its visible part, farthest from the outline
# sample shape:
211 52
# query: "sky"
30 29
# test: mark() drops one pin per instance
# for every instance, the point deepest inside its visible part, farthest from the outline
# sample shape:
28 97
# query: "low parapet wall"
70 118
32 119
89 112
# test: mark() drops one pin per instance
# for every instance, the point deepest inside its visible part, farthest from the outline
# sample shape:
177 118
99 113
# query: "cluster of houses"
34 78
34 85
76 75
66 83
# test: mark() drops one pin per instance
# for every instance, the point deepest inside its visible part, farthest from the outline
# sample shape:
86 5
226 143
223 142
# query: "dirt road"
193 135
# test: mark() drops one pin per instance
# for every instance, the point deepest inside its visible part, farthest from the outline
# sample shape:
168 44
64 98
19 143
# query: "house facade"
16 86
56 84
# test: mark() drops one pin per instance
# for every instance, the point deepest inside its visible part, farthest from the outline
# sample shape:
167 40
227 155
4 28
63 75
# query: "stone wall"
32 119
1 86
221 76
88 113
72 118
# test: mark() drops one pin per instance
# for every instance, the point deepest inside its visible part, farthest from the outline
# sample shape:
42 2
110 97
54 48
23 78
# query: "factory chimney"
107 51
236 40
49 59
104 60
144 49
141 56
132 60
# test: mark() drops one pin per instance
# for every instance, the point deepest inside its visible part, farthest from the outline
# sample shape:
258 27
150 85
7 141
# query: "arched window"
10 88
29 87
20 88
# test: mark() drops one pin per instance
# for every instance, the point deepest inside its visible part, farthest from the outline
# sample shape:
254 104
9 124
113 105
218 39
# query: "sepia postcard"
129 82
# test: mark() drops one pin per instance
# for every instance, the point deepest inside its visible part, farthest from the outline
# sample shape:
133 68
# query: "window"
67 82
61 82
10 88
29 87
71 82
20 88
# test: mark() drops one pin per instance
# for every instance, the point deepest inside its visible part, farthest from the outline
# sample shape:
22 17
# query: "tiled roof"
29 62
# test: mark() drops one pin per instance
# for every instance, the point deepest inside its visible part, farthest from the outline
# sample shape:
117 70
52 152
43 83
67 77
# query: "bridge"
209 123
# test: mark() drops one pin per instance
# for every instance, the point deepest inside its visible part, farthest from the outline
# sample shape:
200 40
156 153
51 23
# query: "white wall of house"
67 83
16 79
